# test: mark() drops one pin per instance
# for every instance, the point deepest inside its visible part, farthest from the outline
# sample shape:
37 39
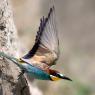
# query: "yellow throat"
54 78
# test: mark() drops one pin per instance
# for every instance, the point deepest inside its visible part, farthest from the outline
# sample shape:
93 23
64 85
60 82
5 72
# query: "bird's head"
55 75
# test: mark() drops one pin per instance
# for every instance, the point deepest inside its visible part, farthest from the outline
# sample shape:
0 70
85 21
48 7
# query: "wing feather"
46 45
49 37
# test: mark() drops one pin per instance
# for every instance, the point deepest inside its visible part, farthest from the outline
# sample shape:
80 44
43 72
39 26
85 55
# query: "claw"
21 74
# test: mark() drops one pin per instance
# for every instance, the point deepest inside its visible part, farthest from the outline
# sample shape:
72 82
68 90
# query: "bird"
44 53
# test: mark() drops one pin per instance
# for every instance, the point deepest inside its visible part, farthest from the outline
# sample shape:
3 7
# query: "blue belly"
35 72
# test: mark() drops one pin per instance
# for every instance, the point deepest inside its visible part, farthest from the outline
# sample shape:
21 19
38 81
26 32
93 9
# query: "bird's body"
35 73
44 53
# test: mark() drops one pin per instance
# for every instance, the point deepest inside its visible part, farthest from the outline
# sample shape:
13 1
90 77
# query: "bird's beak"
58 77
66 78
63 77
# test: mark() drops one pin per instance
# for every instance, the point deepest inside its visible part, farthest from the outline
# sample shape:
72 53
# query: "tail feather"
14 60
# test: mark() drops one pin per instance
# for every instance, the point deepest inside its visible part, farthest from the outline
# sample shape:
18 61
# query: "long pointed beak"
63 77
66 78
58 77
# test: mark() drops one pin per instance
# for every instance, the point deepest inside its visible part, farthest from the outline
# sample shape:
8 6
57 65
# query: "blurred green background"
76 29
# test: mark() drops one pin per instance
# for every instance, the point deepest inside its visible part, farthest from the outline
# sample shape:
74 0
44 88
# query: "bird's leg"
20 75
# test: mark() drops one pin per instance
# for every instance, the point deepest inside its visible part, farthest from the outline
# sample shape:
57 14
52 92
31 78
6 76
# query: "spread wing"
46 47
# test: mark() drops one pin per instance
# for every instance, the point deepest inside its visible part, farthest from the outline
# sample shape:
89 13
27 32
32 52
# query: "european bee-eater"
44 53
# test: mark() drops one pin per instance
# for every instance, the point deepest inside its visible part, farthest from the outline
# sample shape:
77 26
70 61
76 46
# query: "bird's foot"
21 74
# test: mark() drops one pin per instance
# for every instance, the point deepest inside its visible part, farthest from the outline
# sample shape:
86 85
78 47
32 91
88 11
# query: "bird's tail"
13 59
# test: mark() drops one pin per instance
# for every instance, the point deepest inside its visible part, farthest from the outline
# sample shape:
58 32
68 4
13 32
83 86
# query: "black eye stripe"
56 74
